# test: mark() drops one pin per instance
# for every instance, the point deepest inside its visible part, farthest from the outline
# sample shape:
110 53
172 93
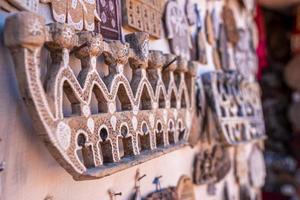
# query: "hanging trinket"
141 15
81 15
177 29
201 47
185 189
230 24
110 24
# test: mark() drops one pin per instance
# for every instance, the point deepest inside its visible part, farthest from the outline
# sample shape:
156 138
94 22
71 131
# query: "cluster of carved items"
236 104
135 120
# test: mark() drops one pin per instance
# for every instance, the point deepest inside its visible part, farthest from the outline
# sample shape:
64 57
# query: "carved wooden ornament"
230 25
257 168
236 105
209 28
26 5
223 49
109 13
185 189
177 30
241 168
211 165
80 14
200 39
245 55
134 122
143 15
190 12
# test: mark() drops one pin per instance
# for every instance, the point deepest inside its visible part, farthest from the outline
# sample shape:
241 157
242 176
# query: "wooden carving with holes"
134 121
235 102
143 15
81 15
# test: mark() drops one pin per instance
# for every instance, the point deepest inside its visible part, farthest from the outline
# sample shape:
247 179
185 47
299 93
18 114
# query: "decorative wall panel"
177 29
109 13
135 120
81 15
143 15
14 5
236 104
211 165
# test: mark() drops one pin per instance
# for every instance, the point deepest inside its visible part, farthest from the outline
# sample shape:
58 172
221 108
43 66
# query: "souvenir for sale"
109 12
177 30
81 15
200 38
230 25
143 15
130 122
22 5
257 168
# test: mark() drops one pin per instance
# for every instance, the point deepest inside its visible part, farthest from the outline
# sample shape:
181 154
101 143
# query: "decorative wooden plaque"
177 29
241 168
164 194
257 167
134 121
236 104
143 15
81 15
109 13
211 165
230 25
185 189
27 5
245 55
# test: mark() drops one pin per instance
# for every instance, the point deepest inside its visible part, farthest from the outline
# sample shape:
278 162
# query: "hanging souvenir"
211 165
24 5
236 106
177 30
223 49
210 34
185 189
110 24
244 54
79 14
230 25
143 16
241 169
257 168
200 40
190 12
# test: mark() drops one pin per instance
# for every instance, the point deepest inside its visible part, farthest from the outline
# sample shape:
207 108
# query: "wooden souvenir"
24 5
185 189
164 194
210 34
190 12
223 49
216 59
245 55
81 15
177 30
143 15
109 13
215 23
211 165
257 168
200 39
134 121
230 25
241 168
236 106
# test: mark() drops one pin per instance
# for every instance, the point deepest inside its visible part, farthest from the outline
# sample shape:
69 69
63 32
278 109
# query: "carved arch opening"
84 151
145 99
123 102
70 104
105 146
125 142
